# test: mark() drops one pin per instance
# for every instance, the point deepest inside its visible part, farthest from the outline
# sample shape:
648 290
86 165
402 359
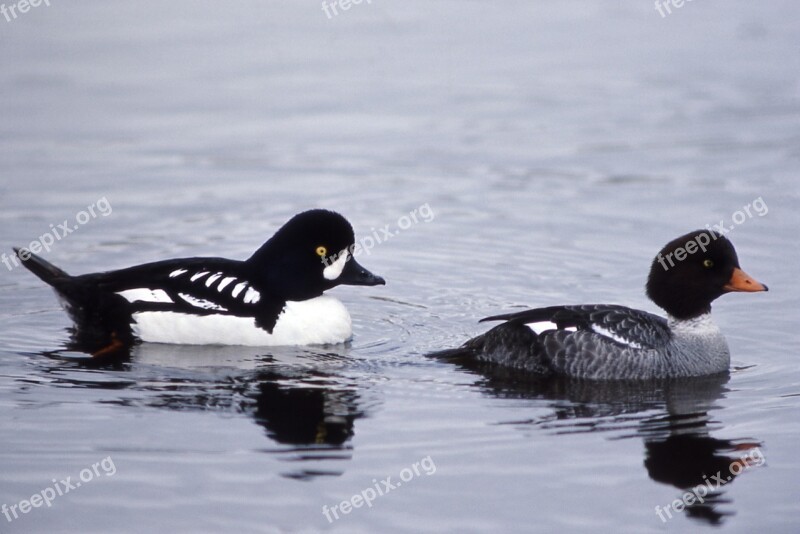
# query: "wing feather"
617 324
198 286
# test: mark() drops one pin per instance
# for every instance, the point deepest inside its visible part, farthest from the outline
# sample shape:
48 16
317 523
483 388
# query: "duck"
614 342
273 298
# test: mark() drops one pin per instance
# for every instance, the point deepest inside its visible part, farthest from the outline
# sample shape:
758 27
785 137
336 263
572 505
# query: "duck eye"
322 251
708 264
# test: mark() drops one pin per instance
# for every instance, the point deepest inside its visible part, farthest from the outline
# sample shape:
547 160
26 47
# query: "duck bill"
741 281
356 275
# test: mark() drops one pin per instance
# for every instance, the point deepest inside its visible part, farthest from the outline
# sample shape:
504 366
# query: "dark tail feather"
457 355
102 319
460 355
42 268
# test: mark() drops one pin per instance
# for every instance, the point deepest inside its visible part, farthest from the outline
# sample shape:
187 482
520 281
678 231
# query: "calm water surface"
557 148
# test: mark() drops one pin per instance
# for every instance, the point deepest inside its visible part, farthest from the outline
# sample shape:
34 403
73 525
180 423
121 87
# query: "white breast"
318 321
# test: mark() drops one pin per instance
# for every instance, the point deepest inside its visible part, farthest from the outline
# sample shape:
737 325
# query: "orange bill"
741 281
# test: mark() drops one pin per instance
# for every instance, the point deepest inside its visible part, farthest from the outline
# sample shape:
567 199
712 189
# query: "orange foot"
111 348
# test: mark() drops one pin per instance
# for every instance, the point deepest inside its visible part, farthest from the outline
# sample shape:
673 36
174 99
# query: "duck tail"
43 269
102 319
456 355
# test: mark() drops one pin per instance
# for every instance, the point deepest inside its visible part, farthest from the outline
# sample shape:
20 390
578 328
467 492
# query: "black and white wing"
197 286
617 324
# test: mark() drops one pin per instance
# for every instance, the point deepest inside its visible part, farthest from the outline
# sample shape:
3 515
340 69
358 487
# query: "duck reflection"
295 395
307 414
671 416
680 452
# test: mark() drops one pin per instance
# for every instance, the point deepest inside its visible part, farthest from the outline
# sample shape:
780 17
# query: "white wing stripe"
225 282
251 296
198 276
177 272
611 335
238 289
213 278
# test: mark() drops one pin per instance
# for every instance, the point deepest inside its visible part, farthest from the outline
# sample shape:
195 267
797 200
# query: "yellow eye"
322 251
708 264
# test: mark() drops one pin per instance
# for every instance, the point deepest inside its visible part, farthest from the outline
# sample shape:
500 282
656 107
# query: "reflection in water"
288 392
671 416
310 414
313 411
680 452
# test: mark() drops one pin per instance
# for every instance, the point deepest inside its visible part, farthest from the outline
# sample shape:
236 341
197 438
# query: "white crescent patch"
334 270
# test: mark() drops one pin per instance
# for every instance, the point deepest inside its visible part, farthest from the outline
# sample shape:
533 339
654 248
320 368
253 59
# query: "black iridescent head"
310 254
693 270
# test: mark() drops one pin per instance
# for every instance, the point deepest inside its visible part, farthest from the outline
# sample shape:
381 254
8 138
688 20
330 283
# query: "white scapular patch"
238 289
318 321
145 294
251 296
213 278
177 272
611 335
225 282
541 326
334 270
198 276
201 303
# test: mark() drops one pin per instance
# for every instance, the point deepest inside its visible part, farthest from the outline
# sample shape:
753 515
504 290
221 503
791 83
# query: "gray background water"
558 145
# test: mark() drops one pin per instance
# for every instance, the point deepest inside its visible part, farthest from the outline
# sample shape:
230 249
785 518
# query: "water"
557 147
